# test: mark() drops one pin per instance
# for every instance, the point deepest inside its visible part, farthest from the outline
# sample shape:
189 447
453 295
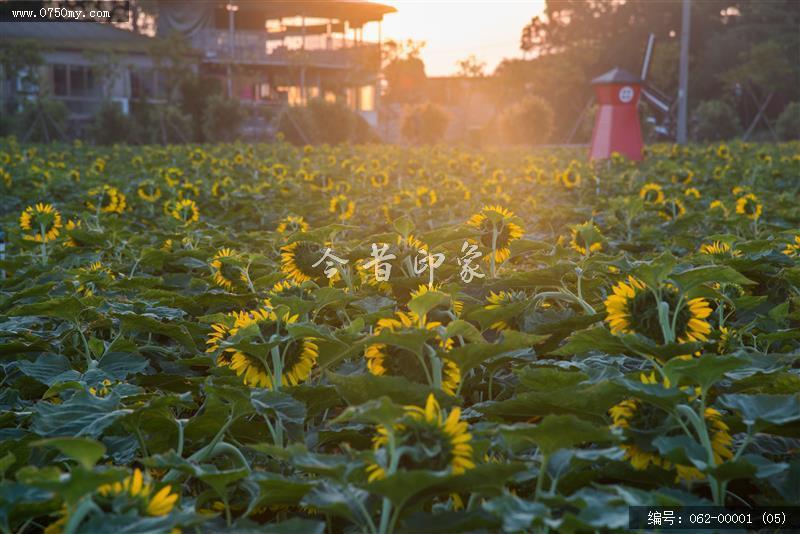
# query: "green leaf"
555 432
380 411
656 271
85 451
761 411
422 304
358 389
704 371
82 415
593 339
49 369
516 514
689 279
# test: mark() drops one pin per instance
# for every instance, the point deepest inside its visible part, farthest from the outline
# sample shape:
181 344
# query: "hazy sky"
455 29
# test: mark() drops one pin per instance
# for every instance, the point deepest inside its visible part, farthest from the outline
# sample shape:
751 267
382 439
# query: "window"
60 85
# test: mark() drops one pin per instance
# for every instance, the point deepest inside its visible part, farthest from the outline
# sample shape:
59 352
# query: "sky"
455 29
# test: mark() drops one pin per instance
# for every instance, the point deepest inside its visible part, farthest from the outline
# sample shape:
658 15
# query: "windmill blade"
656 99
651 41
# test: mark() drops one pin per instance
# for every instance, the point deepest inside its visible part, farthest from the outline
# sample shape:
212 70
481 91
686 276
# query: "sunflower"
793 249
692 192
718 205
427 438
391 360
652 193
43 222
639 420
172 175
501 299
342 207
570 178
227 272
749 206
221 188
497 231
298 259
141 494
291 224
719 248
683 176
297 358
89 275
106 199
425 197
672 209
185 210
379 179
723 151
586 238
148 191
633 308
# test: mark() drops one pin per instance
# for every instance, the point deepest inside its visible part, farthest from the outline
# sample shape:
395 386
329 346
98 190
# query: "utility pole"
232 9
683 76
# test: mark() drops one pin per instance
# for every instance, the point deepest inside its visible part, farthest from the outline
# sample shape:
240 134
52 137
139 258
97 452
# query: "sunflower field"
385 339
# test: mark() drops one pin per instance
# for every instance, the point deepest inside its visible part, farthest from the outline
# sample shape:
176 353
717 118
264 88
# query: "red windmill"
616 126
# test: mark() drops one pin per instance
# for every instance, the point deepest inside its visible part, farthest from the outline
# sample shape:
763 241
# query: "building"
265 53
284 53
84 64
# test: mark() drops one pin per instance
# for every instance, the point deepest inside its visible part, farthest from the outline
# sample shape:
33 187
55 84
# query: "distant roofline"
76 36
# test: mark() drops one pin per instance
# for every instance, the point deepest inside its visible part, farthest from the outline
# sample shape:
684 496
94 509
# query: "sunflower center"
503 235
428 447
401 362
644 314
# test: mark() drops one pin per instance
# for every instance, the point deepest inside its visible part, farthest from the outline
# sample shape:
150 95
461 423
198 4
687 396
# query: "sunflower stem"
540 478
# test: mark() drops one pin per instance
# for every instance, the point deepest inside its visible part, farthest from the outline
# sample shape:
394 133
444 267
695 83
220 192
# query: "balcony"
260 48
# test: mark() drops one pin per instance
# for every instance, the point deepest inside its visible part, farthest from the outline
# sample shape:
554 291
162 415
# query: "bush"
788 125
41 121
324 122
196 92
222 118
111 126
425 124
529 121
715 120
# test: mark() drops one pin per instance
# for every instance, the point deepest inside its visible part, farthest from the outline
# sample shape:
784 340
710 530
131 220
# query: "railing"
257 47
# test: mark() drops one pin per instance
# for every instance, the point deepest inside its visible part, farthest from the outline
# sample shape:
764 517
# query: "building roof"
616 75
75 35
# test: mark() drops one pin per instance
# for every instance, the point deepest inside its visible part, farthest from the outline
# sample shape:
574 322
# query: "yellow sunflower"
672 209
256 367
719 248
749 206
586 238
639 419
379 179
141 492
497 231
106 199
291 224
633 308
570 178
692 192
793 249
148 191
501 299
226 271
652 193
718 205
427 438
185 211
391 360
41 221
298 259
342 207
